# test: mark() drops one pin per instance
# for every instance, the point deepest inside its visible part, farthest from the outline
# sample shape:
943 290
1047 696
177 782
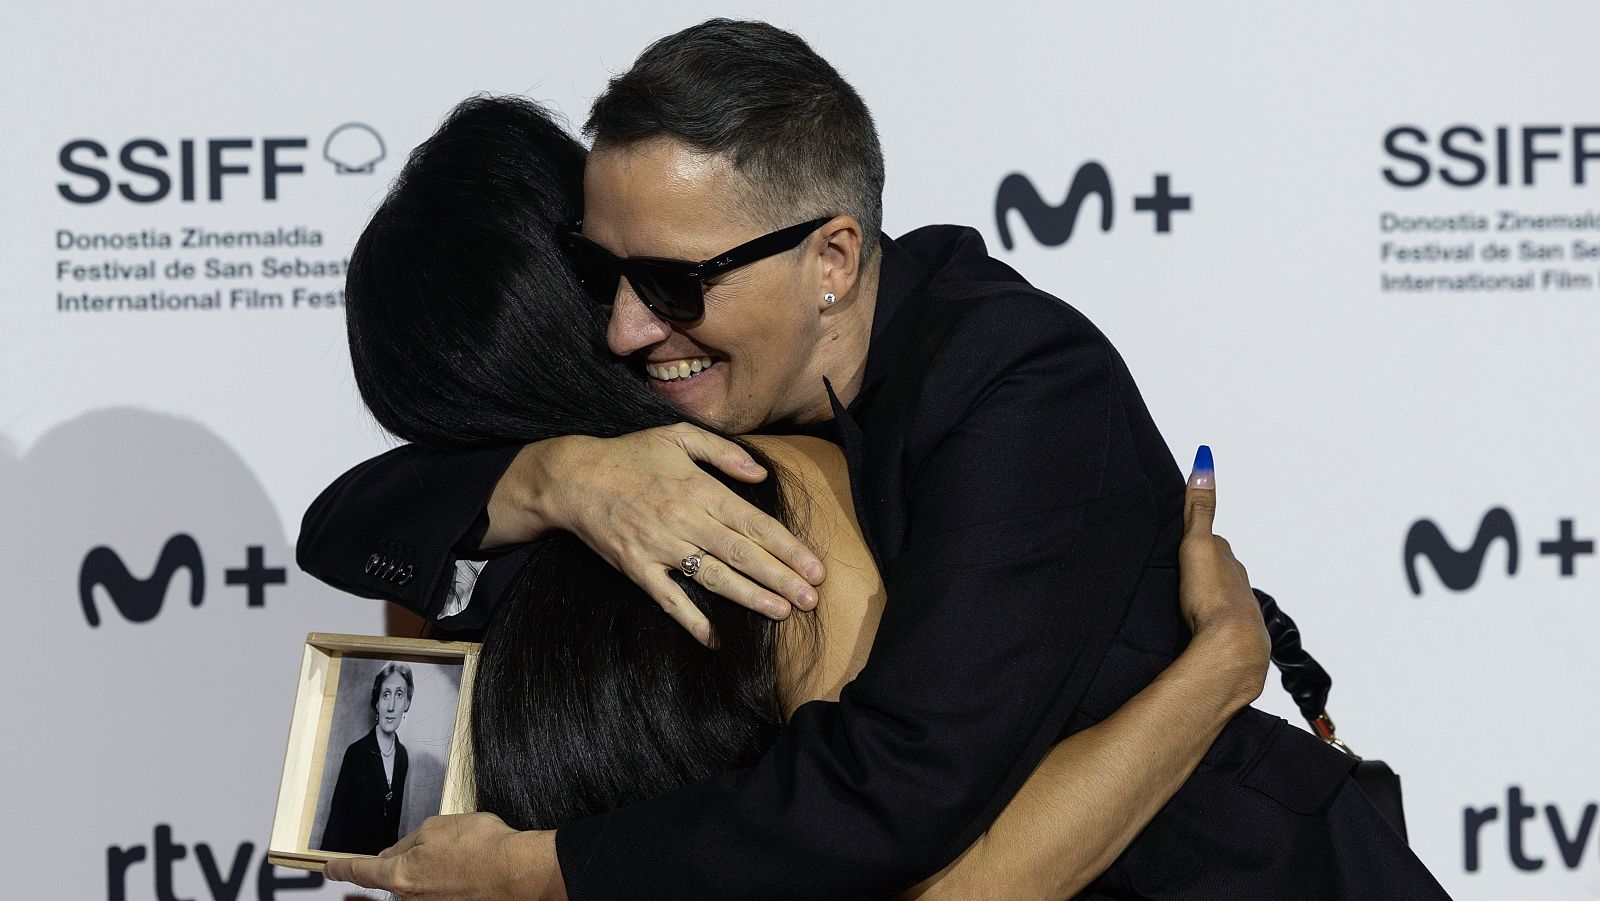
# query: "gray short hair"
785 118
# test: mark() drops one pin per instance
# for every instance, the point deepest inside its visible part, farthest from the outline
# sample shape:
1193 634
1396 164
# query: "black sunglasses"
672 289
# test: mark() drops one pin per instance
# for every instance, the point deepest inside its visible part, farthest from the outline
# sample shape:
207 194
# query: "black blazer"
1025 514
364 816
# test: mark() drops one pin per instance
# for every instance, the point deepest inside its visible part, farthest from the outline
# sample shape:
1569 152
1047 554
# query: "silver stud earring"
829 298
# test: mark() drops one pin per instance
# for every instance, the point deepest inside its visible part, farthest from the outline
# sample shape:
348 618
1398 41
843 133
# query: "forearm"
389 527
1096 790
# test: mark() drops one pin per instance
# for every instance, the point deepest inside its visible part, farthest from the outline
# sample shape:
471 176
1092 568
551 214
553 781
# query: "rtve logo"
225 878
148 170
1459 570
139 600
1052 224
1569 833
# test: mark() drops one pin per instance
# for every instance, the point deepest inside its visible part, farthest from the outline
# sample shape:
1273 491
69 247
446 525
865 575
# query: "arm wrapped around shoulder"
1030 524
391 527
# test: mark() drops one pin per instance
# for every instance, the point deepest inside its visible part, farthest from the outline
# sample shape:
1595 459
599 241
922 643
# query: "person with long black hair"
468 330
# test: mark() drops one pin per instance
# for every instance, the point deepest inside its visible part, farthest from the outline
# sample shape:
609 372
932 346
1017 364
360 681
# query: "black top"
364 817
1025 514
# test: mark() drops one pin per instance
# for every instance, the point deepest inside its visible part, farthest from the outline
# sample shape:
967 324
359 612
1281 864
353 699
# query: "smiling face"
393 701
759 354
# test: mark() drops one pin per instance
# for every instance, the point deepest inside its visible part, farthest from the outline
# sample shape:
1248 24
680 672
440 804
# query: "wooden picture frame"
312 730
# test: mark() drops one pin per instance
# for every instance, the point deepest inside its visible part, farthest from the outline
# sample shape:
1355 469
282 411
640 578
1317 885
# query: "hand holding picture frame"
379 741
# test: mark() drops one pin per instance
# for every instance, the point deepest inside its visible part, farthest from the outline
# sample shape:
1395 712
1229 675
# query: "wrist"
543 471
1235 653
520 507
529 867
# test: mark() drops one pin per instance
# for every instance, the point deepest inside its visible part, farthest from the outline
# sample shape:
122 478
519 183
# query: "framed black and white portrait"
377 744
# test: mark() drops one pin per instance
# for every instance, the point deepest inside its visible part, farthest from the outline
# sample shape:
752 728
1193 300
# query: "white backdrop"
1342 411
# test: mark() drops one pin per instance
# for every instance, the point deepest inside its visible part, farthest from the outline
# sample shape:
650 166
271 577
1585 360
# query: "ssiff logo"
148 170
1467 156
354 149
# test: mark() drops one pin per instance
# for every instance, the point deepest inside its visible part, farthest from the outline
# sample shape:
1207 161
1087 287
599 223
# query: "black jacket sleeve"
393 527
1030 526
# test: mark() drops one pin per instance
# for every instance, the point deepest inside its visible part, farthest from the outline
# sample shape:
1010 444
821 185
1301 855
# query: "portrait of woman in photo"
364 817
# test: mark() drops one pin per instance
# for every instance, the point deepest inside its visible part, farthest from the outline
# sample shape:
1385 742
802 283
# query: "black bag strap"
1303 677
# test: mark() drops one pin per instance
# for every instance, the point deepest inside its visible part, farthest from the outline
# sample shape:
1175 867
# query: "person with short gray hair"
797 132
1023 509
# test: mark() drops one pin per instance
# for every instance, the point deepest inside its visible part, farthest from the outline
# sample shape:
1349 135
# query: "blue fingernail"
1202 459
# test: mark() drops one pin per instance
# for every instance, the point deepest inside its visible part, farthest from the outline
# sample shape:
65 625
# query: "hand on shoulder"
644 504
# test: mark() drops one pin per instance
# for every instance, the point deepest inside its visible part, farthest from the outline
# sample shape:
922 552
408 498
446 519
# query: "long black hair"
467 329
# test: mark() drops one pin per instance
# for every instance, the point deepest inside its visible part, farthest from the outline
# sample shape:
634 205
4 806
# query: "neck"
842 355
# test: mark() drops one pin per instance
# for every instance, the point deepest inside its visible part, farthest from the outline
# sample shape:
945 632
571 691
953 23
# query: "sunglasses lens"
673 295
596 269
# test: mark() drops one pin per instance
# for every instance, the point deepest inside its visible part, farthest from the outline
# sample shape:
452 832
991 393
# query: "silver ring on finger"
690 565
